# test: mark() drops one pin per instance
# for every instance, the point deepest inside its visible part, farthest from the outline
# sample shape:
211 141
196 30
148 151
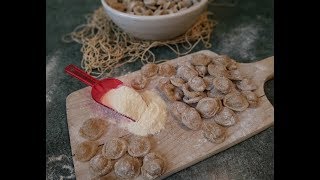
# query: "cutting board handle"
267 68
266 72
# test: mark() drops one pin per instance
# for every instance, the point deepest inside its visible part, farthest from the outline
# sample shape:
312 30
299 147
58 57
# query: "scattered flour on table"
59 167
240 41
51 71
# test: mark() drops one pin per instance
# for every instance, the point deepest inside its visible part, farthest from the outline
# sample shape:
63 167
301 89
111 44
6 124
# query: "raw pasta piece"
178 108
209 82
235 101
127 167
153 166
190 94
235 75
208 107
114 148
149 70
176 81
197 84
139 82
222 84
232 65
223 60
186 72
213 132
86 150
192 119
139 146
226 117
100 166
214 93
192 100
217 70
167 70
252 98
116 5
170 91
200 59
177 94
93 128
149 2
246 84
202 70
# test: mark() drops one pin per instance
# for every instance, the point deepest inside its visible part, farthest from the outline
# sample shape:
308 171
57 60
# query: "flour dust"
59 167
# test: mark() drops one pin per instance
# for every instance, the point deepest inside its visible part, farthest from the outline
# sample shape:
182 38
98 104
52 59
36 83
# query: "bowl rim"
179 13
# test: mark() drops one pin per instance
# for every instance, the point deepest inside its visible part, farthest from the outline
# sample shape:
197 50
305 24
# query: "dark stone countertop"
244 32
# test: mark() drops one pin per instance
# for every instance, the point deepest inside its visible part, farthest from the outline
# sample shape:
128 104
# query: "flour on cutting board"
51 70
240 41
60 167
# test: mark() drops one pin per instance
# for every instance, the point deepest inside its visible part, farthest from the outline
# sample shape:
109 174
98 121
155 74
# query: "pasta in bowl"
154 19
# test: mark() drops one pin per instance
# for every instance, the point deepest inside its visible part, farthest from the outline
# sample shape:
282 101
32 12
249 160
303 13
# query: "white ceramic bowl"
162 27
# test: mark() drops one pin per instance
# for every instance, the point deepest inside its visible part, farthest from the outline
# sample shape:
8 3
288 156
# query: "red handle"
81 75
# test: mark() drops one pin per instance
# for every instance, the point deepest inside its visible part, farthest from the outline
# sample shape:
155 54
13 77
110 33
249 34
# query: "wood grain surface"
180 146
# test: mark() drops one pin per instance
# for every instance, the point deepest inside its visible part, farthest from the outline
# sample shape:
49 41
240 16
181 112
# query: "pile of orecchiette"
151 7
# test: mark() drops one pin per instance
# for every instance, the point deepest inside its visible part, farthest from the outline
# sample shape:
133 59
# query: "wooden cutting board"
180 146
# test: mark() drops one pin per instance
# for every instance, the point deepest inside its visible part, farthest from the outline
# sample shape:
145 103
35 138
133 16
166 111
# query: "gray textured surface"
245 32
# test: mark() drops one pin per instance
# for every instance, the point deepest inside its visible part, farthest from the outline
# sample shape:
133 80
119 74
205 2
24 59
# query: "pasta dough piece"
152 156
114 148
127 167
200 60
139 82
246 85
116 5
214 93
202 70
235 75
139 146
235 101
93 128
186 72
149 70
170 91
193 100
149 2
176 81
192 119
86 150
208 107
252 98
209 82
178 108
232 65
177 94
153 166
188 93
226 117
217 70
213 132
167 70
100 166
197 84
223 60
222 84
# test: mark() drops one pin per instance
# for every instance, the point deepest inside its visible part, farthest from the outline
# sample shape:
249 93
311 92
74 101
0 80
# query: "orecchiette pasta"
151 7
149 2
